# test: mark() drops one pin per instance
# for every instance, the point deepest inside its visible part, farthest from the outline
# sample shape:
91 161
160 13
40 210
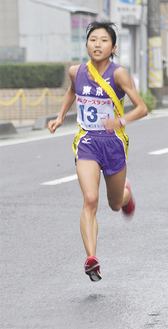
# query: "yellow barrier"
19 93
25 101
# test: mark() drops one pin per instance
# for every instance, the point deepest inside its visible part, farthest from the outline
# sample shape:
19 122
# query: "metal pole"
143 47
155 70
21 109
47 112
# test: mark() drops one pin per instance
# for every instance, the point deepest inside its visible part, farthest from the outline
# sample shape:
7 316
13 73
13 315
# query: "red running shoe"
130 206
92 268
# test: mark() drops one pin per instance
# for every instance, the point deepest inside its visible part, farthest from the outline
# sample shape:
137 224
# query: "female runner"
101 144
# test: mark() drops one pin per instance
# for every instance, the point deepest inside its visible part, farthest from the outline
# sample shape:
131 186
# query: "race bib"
92 110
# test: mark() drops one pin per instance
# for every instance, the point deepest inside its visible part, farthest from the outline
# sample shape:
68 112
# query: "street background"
43 284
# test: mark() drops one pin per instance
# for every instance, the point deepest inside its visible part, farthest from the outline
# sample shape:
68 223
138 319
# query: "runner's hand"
111 124
54 124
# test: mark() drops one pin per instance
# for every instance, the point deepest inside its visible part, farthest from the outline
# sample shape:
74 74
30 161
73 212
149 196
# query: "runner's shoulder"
73 71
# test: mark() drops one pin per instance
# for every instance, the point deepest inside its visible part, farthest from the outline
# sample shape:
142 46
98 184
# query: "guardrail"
20 94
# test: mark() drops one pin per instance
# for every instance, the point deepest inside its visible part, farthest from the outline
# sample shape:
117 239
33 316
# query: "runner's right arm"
67 103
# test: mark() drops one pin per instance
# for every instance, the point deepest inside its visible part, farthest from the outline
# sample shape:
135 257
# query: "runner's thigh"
115 187
89 177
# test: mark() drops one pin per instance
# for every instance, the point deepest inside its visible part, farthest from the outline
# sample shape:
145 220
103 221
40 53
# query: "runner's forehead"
99 32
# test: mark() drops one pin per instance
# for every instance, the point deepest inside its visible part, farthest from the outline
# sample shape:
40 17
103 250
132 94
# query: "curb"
41 122
7 129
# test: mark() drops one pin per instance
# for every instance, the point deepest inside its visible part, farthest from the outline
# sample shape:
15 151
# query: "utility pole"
143 46
155 71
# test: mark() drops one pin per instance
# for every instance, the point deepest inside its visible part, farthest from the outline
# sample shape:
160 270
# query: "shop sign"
131 2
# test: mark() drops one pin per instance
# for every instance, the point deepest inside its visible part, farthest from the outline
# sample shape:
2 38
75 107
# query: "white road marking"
159 152
61 180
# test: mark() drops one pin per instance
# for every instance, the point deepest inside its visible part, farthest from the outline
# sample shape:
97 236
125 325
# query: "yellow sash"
118 105
107 88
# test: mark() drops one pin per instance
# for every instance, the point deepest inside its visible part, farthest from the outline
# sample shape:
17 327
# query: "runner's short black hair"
107 25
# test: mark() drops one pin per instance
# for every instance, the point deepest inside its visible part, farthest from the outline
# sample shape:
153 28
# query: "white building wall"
34 32
8 23
128 18
45 32
97 5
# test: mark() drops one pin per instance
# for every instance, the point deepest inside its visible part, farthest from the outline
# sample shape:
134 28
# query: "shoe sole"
95 276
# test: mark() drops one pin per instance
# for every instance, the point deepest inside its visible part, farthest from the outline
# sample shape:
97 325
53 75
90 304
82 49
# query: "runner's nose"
97 43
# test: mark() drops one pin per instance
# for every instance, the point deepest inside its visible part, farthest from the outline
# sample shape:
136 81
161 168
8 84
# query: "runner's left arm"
123 83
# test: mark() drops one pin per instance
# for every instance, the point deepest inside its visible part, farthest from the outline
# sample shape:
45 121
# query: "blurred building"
128 15
46 30
54 30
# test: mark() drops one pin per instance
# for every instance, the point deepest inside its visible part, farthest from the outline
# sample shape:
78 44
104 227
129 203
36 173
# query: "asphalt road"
43 285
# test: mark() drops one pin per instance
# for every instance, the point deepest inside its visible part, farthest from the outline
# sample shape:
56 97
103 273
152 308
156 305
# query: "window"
79 22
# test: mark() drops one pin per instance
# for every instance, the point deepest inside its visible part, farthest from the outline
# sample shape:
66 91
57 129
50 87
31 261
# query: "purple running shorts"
107 149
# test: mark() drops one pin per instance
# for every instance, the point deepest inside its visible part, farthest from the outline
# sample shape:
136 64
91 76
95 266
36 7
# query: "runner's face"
99 45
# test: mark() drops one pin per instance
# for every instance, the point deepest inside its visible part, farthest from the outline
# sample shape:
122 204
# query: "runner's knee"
91 201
